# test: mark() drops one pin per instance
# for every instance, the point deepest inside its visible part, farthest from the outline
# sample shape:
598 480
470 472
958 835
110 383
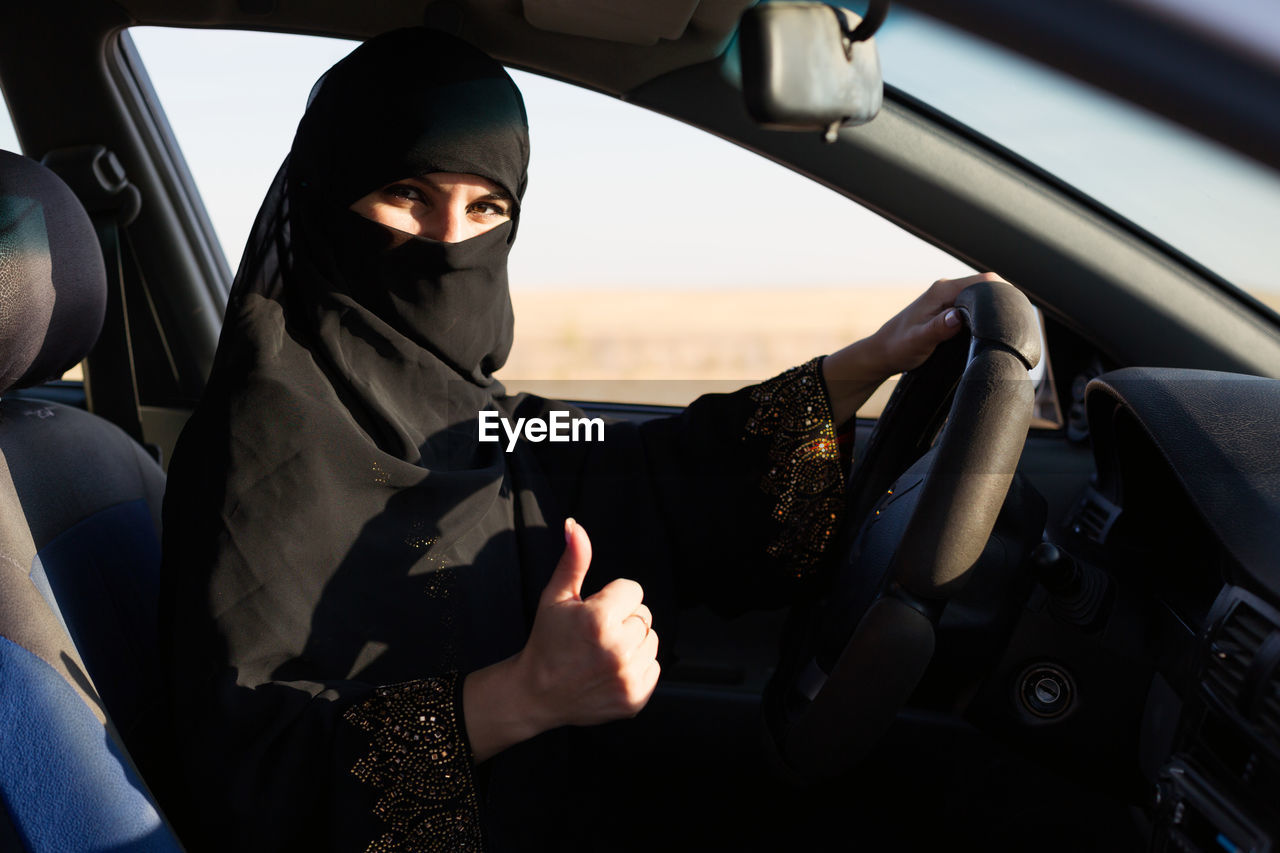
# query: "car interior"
1107 677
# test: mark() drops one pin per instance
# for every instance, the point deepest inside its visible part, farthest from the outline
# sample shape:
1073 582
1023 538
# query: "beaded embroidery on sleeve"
805 476
421 762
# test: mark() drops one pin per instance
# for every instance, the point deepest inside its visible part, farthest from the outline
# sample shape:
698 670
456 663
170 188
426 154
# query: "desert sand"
668 346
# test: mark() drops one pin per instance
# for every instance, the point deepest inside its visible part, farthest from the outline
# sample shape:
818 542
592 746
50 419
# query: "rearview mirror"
810 66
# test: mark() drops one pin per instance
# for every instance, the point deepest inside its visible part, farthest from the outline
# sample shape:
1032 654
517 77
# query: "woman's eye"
490 208
404 191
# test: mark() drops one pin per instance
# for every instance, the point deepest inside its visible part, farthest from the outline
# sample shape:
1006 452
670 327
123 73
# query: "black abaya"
340 549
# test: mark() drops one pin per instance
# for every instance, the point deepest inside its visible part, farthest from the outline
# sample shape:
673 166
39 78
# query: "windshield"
1213 205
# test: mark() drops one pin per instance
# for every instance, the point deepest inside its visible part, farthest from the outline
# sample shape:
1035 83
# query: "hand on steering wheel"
924 521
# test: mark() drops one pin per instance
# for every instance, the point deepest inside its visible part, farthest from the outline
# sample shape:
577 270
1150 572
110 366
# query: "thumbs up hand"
566 581
588 660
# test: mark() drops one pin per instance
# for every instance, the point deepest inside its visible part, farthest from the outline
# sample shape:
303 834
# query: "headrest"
53 285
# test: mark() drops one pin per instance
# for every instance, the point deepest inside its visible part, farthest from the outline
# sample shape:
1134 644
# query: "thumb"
566 580
946 325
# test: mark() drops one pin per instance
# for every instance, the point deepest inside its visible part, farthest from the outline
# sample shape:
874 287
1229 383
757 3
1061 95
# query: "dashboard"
1190 461
1147 662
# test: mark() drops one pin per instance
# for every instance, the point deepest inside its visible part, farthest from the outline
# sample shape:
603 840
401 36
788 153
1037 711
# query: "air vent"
1232 650
1094 517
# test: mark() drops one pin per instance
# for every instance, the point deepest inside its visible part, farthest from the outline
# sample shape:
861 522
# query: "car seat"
79 551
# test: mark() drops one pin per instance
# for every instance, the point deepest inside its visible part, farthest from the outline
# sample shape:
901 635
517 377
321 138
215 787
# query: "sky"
622 197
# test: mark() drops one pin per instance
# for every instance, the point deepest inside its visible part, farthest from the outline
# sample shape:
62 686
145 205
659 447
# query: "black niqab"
332 467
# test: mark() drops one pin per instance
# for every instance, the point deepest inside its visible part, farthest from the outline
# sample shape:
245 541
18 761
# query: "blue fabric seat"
79 552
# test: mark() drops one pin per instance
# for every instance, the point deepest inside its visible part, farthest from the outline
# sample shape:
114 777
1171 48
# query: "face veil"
408 103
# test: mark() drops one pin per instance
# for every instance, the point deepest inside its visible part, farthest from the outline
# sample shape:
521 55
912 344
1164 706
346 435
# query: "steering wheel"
925 509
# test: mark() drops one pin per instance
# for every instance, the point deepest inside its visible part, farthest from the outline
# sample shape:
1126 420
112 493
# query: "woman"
380 626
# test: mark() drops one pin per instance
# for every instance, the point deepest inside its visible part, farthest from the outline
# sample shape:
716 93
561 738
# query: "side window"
657 262
654 262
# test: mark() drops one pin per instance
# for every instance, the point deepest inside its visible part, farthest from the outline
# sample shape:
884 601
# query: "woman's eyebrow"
498 194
